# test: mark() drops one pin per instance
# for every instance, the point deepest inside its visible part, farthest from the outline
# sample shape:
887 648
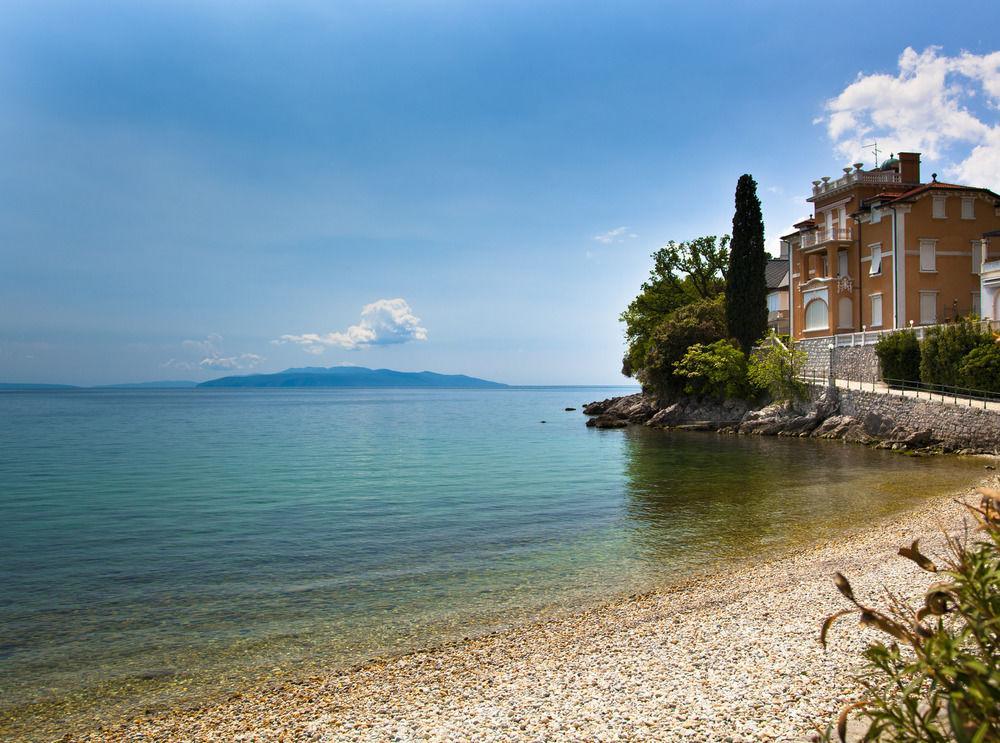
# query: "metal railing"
939 393
964 396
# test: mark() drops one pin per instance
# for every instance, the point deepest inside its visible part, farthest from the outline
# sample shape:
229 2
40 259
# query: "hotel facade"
883 250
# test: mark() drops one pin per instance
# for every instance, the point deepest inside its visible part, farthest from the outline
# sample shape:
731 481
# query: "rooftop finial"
934 177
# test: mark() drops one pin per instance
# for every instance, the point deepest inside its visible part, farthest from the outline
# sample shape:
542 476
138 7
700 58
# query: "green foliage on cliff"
937 678
746 285
701 322
944 349
777 369
899 356
716 370
682 273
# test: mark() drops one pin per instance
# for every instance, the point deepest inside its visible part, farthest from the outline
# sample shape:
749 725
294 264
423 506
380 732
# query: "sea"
162 547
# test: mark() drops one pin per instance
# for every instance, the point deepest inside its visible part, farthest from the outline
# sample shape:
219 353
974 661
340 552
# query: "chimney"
909 167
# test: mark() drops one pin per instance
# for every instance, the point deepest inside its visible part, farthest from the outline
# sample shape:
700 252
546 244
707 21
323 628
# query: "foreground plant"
938 678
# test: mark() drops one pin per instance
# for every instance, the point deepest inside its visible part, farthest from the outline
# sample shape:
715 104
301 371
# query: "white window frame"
923 319
977 256
843 263
968 207
928 255
939 207
876 214
876 316
805 315
773 302
876 267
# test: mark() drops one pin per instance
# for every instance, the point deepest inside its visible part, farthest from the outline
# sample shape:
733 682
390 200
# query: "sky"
193 189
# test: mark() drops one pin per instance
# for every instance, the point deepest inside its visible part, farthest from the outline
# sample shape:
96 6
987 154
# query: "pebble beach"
730 657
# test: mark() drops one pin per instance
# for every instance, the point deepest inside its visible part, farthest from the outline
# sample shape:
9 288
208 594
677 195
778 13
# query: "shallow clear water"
160 546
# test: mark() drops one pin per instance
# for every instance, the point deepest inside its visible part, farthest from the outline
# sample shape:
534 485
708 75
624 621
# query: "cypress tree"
746 285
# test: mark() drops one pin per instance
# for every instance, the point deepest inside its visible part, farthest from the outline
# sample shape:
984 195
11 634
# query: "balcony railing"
868 178
825 235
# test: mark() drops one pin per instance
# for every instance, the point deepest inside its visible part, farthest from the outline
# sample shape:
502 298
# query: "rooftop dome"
891 164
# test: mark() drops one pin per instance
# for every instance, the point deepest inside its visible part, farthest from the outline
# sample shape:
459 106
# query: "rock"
607 421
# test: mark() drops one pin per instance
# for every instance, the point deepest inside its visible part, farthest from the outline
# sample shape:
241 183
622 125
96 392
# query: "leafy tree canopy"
682 273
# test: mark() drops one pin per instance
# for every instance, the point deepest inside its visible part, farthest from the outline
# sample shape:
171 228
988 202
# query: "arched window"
845 313
817 315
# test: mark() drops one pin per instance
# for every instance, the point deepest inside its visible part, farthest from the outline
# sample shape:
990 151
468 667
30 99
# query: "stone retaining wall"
955 426
858 363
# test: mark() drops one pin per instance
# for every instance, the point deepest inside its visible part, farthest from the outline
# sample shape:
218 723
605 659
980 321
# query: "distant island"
353 376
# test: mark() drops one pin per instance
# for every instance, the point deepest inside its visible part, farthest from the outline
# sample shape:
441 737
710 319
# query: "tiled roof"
938 186
775 272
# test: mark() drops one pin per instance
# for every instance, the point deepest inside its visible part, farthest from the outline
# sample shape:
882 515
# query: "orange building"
883 250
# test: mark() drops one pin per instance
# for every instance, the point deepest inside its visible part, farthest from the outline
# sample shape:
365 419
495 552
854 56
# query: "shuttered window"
928 308
928 255
876 310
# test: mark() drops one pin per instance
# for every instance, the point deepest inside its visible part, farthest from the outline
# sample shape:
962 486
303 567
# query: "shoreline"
729 655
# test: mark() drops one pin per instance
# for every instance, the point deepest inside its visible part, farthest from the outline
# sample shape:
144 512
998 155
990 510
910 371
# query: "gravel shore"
734 657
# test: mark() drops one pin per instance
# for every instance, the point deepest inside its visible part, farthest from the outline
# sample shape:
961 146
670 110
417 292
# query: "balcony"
825 235
825 186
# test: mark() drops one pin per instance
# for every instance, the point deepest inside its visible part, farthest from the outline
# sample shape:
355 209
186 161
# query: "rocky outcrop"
618 412
826 416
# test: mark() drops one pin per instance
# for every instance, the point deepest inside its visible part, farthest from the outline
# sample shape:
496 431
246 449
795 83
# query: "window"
968 208
824 264
928 255
928 308
876 214
845 313
977 256
939 210
876 268
773 302
976 308
817 315
842 263
876 310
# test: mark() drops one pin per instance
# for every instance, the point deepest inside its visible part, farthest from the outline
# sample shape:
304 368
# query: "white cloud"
928 107
212 358
617 235
383 322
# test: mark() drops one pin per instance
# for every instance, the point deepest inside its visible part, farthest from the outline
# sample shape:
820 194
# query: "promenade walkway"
942 398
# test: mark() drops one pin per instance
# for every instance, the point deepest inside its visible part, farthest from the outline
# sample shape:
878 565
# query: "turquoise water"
161 546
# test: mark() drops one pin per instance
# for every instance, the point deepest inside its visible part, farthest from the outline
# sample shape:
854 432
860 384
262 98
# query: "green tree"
980 369
682 273
746 285
716 370
703 321
945 348
899 356
777 370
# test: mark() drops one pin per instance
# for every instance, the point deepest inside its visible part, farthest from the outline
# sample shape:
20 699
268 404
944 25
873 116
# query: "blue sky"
191 189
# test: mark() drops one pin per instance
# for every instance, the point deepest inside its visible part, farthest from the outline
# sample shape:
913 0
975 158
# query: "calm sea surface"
160 546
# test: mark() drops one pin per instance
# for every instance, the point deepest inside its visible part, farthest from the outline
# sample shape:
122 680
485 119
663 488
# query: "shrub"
777 369
700 322
938 678
899 356
717 370
980 369
945 347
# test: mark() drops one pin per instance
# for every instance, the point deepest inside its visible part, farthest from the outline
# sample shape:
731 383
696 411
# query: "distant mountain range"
310 376
353 376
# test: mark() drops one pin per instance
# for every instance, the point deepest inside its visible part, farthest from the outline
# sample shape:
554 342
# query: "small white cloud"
925 107
383 322
617 235
212 358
